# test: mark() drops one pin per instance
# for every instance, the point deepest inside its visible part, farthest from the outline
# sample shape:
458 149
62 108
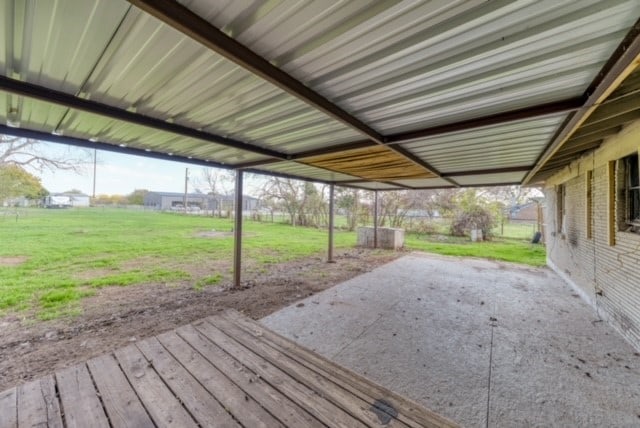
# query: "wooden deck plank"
409 411
354 405
222 371
162 405
239 403
38 404
9 408
323 410
199 402
120 401
80 403
275 402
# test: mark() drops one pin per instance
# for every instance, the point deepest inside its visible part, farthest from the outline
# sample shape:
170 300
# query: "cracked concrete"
481 342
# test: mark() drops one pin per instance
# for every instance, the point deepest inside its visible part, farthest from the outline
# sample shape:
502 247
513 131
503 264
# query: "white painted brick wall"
592 264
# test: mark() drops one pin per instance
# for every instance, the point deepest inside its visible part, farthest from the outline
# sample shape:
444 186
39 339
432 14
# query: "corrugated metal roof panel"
405 65
490 179
26 113
120 56
509 144
193 86
302 170
56 43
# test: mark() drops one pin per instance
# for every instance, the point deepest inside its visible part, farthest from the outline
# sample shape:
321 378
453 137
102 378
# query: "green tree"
16 182
137 197
348 201
72 192
474 211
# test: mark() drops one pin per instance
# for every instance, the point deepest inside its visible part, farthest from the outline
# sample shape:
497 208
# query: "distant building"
66 200
20 201
528 211
166 201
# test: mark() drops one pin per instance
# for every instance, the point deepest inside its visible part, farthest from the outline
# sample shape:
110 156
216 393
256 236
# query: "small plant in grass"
207 281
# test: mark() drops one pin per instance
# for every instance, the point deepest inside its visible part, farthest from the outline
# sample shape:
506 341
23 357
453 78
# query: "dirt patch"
213 234
117 316
12 261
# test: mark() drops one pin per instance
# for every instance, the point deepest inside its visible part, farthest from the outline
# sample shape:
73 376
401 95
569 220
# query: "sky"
119 174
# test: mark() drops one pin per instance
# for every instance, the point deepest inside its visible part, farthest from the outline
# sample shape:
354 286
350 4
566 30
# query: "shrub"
473 217
423 227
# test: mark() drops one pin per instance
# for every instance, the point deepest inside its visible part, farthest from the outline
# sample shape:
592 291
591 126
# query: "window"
560 208
630 195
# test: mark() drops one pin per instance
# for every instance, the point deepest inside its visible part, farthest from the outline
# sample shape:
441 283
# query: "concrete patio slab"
484 343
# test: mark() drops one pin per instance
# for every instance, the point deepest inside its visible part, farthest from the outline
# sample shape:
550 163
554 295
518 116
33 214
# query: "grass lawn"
51 259
68 253
505 249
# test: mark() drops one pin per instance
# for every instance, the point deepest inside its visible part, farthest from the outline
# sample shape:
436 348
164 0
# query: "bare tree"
285 193
348 200
29 154
395 206
218 183
509 195
304 202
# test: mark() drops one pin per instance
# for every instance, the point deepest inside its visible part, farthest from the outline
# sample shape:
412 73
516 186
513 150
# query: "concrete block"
388 238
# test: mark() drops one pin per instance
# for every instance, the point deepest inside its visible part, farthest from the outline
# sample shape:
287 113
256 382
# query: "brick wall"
607 276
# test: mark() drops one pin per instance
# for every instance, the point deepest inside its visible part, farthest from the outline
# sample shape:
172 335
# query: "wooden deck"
225 371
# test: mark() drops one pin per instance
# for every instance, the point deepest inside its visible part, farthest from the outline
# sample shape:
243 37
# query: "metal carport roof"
376 94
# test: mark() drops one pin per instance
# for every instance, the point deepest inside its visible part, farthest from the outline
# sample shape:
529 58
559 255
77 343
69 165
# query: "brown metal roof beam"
288 176
415 159
509 116
494 119
362 144
393 183
297 177
521 168
620 65
182 19
61 98
254 164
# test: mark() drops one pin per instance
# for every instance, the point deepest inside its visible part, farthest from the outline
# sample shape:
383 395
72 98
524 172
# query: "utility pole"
95 161
186 184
